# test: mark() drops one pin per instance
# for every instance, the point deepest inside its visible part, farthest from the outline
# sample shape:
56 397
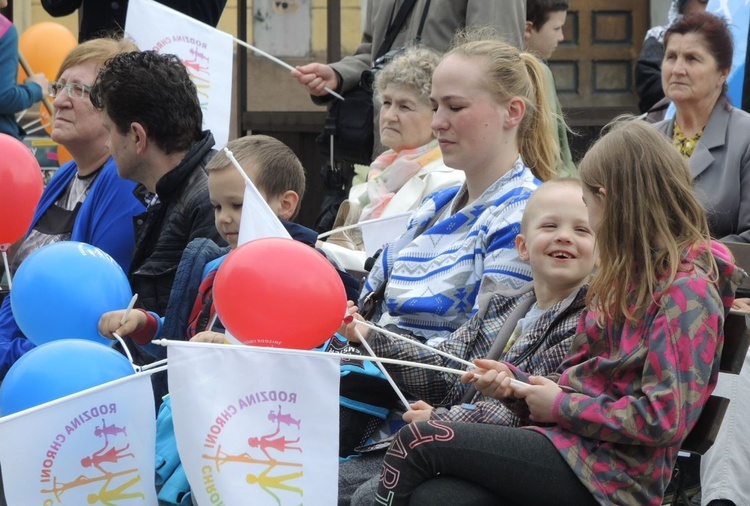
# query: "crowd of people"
590 298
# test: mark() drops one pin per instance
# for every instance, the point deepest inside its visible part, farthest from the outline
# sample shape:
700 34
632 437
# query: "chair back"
736 342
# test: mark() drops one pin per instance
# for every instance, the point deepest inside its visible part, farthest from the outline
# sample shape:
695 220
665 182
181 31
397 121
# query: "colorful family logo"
91 460
194 55
271 459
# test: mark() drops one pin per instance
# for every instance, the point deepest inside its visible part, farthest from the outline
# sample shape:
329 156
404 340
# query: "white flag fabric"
381 231
258 220
256 425
206 52
94 447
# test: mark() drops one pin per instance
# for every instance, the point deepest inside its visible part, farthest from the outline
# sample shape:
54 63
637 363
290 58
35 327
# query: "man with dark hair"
150 109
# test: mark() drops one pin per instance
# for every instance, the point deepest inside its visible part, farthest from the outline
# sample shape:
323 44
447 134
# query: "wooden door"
594 66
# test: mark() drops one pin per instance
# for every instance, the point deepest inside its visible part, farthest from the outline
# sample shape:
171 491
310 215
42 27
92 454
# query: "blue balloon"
57 369
61 290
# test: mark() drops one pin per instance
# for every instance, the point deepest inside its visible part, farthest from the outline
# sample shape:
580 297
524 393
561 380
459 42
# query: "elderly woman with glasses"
85 200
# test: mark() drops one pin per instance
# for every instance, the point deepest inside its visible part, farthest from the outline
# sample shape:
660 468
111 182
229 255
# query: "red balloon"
279 293
20 190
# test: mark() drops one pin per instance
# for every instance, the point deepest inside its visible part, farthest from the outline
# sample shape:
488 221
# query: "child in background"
15 97
607 429
543 32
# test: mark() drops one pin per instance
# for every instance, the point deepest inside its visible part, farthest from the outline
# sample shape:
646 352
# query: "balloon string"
382 369
415 343
7 269
127 351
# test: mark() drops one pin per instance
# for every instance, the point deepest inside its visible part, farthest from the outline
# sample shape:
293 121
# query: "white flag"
256 425
93 447
258 220
381 231
206 52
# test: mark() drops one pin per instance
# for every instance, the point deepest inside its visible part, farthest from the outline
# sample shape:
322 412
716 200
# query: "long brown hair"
650 216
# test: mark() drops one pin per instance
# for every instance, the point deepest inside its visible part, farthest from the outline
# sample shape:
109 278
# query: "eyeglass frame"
80 90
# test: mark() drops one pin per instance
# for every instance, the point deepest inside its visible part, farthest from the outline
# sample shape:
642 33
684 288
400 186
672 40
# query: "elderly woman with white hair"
411 168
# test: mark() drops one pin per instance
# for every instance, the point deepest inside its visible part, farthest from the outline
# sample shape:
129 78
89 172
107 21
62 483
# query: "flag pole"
280 62
29 72
289 351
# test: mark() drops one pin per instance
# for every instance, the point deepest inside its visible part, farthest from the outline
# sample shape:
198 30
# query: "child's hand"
349 328
540 396
208 336
109 323
420 411
491 377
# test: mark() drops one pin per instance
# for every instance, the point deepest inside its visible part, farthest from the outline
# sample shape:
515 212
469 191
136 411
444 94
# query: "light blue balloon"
57 369
61 290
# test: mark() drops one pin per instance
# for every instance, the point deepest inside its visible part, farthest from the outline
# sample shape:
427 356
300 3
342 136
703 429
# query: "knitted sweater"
434 270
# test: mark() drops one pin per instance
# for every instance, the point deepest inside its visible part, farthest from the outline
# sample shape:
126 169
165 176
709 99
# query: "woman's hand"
208 336
540 396
420 411
109 323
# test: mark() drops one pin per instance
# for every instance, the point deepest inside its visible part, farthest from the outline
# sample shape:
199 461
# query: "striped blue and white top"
434 270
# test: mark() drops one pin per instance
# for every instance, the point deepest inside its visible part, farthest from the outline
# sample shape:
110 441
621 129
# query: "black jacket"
183 213
99 17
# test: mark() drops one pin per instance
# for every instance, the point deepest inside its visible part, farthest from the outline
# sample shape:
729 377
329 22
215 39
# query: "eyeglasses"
75 90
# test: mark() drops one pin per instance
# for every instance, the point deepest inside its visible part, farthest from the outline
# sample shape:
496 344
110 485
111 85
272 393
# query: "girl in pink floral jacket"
607 428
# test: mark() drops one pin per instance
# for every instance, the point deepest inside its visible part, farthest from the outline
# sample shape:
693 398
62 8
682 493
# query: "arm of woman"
14 97
676 377
743 219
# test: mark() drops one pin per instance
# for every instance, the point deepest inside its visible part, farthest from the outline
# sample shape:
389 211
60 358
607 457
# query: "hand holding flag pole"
280 62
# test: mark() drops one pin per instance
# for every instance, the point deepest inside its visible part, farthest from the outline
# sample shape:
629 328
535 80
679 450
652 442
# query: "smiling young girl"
608 427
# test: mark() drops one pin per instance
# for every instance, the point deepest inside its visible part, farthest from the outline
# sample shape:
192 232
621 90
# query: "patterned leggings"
476 464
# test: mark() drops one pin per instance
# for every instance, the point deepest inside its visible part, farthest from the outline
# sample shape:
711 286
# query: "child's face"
545 40
558 242
226 189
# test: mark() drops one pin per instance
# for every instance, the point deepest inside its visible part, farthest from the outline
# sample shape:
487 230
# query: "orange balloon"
63 155
45 46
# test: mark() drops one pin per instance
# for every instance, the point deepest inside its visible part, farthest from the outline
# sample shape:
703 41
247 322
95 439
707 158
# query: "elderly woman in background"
412 168
85 200
706 129
713 135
